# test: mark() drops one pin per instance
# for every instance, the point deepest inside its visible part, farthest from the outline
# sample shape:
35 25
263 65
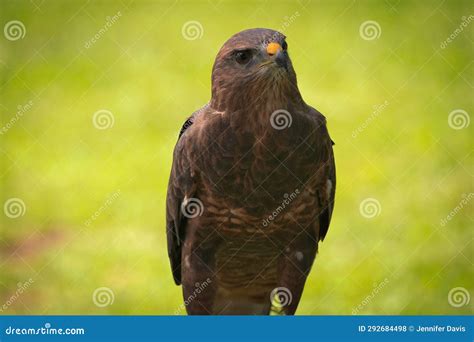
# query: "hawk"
252 185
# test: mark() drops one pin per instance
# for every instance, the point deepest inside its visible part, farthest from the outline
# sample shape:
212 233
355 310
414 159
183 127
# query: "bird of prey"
252 185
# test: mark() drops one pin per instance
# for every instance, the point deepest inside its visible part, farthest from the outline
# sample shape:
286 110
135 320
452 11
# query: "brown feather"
241 169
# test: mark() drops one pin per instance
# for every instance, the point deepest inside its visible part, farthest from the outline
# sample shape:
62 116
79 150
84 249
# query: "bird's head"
255 62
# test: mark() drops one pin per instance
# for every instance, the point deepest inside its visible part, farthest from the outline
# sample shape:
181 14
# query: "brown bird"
252 185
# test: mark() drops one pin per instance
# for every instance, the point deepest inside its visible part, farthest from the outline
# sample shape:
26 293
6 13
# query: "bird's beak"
273 48
276 53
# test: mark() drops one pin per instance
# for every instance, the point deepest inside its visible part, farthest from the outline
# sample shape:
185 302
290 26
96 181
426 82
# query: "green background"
144 71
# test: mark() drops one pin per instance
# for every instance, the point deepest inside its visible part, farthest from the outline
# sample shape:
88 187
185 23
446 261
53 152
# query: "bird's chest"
258 171
251 243
278 219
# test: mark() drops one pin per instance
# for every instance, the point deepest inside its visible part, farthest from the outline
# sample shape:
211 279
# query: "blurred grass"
151 79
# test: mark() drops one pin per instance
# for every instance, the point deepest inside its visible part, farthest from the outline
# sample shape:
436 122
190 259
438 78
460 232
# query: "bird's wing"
180 186
328 196
327 193
189 121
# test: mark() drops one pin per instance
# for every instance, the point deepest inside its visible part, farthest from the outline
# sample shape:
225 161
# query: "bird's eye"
284 46
243 57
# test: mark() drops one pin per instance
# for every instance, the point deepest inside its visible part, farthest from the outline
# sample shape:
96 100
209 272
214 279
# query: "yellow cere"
273 48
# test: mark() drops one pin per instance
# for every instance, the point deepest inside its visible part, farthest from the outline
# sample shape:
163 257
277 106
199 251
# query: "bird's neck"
252 105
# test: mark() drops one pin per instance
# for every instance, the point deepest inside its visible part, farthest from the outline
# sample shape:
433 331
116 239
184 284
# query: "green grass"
151 78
